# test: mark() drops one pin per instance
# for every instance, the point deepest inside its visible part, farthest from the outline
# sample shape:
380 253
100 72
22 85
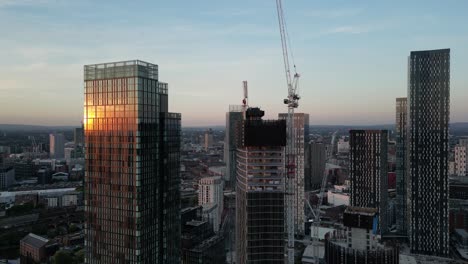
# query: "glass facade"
233 117
316 157
132 143
427 151
368 171
401 120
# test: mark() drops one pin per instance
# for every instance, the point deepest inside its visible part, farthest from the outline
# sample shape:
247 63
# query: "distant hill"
454 127
461 125
203 128
345 127
16 127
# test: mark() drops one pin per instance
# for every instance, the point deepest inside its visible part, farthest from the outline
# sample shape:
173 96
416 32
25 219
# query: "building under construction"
301 137
260 190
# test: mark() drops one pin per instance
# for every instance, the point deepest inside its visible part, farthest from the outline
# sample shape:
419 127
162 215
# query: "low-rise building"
52 202
10 197
209 251
458 203
359 243
60 176
199 242
27 198
69 199
343 146
44 175
7 177
62 199
211 215
36 249
461 239
339 195
77 173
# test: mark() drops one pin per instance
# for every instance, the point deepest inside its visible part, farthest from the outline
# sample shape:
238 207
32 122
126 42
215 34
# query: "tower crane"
292 101
34 147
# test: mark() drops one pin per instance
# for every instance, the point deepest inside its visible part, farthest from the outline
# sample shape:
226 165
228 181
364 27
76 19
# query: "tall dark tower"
132 199
401 179
368 171
428 124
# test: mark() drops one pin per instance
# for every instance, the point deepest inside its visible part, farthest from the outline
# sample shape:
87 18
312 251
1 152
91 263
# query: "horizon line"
220 125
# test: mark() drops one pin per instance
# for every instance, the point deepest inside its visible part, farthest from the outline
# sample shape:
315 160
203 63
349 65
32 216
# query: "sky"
352 55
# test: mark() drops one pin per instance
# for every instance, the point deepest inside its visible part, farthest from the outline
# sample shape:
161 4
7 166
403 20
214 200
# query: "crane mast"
292 101
245 102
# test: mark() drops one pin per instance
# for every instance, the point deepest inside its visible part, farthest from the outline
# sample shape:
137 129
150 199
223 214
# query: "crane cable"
288 39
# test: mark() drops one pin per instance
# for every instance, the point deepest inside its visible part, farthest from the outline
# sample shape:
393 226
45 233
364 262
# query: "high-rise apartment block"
301 137
208 139
317 160
79 136
368 171
260 218
132 178
210 193
401 179
57 146
427 150
461 158
233 118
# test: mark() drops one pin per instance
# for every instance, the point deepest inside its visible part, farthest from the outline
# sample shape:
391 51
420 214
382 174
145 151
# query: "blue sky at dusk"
352 55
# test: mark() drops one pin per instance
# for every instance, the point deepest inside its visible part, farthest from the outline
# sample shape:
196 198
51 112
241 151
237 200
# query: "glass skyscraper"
428 146
401 179
316 157
132 199
368 171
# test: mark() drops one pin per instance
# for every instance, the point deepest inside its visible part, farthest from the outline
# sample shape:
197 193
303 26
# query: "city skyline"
188 132
343 51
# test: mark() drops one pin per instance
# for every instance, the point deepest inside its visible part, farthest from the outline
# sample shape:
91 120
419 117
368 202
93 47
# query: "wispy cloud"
7 3
334 13
350 30
231 12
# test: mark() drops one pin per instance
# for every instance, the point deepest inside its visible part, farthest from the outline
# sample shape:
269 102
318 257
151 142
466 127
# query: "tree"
40 229
23 209
79 256
62 257
72 228
51 233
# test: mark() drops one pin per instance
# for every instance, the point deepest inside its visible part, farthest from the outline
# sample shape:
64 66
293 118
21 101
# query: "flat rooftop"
35 240
195 223
120 69
462 233
361 210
